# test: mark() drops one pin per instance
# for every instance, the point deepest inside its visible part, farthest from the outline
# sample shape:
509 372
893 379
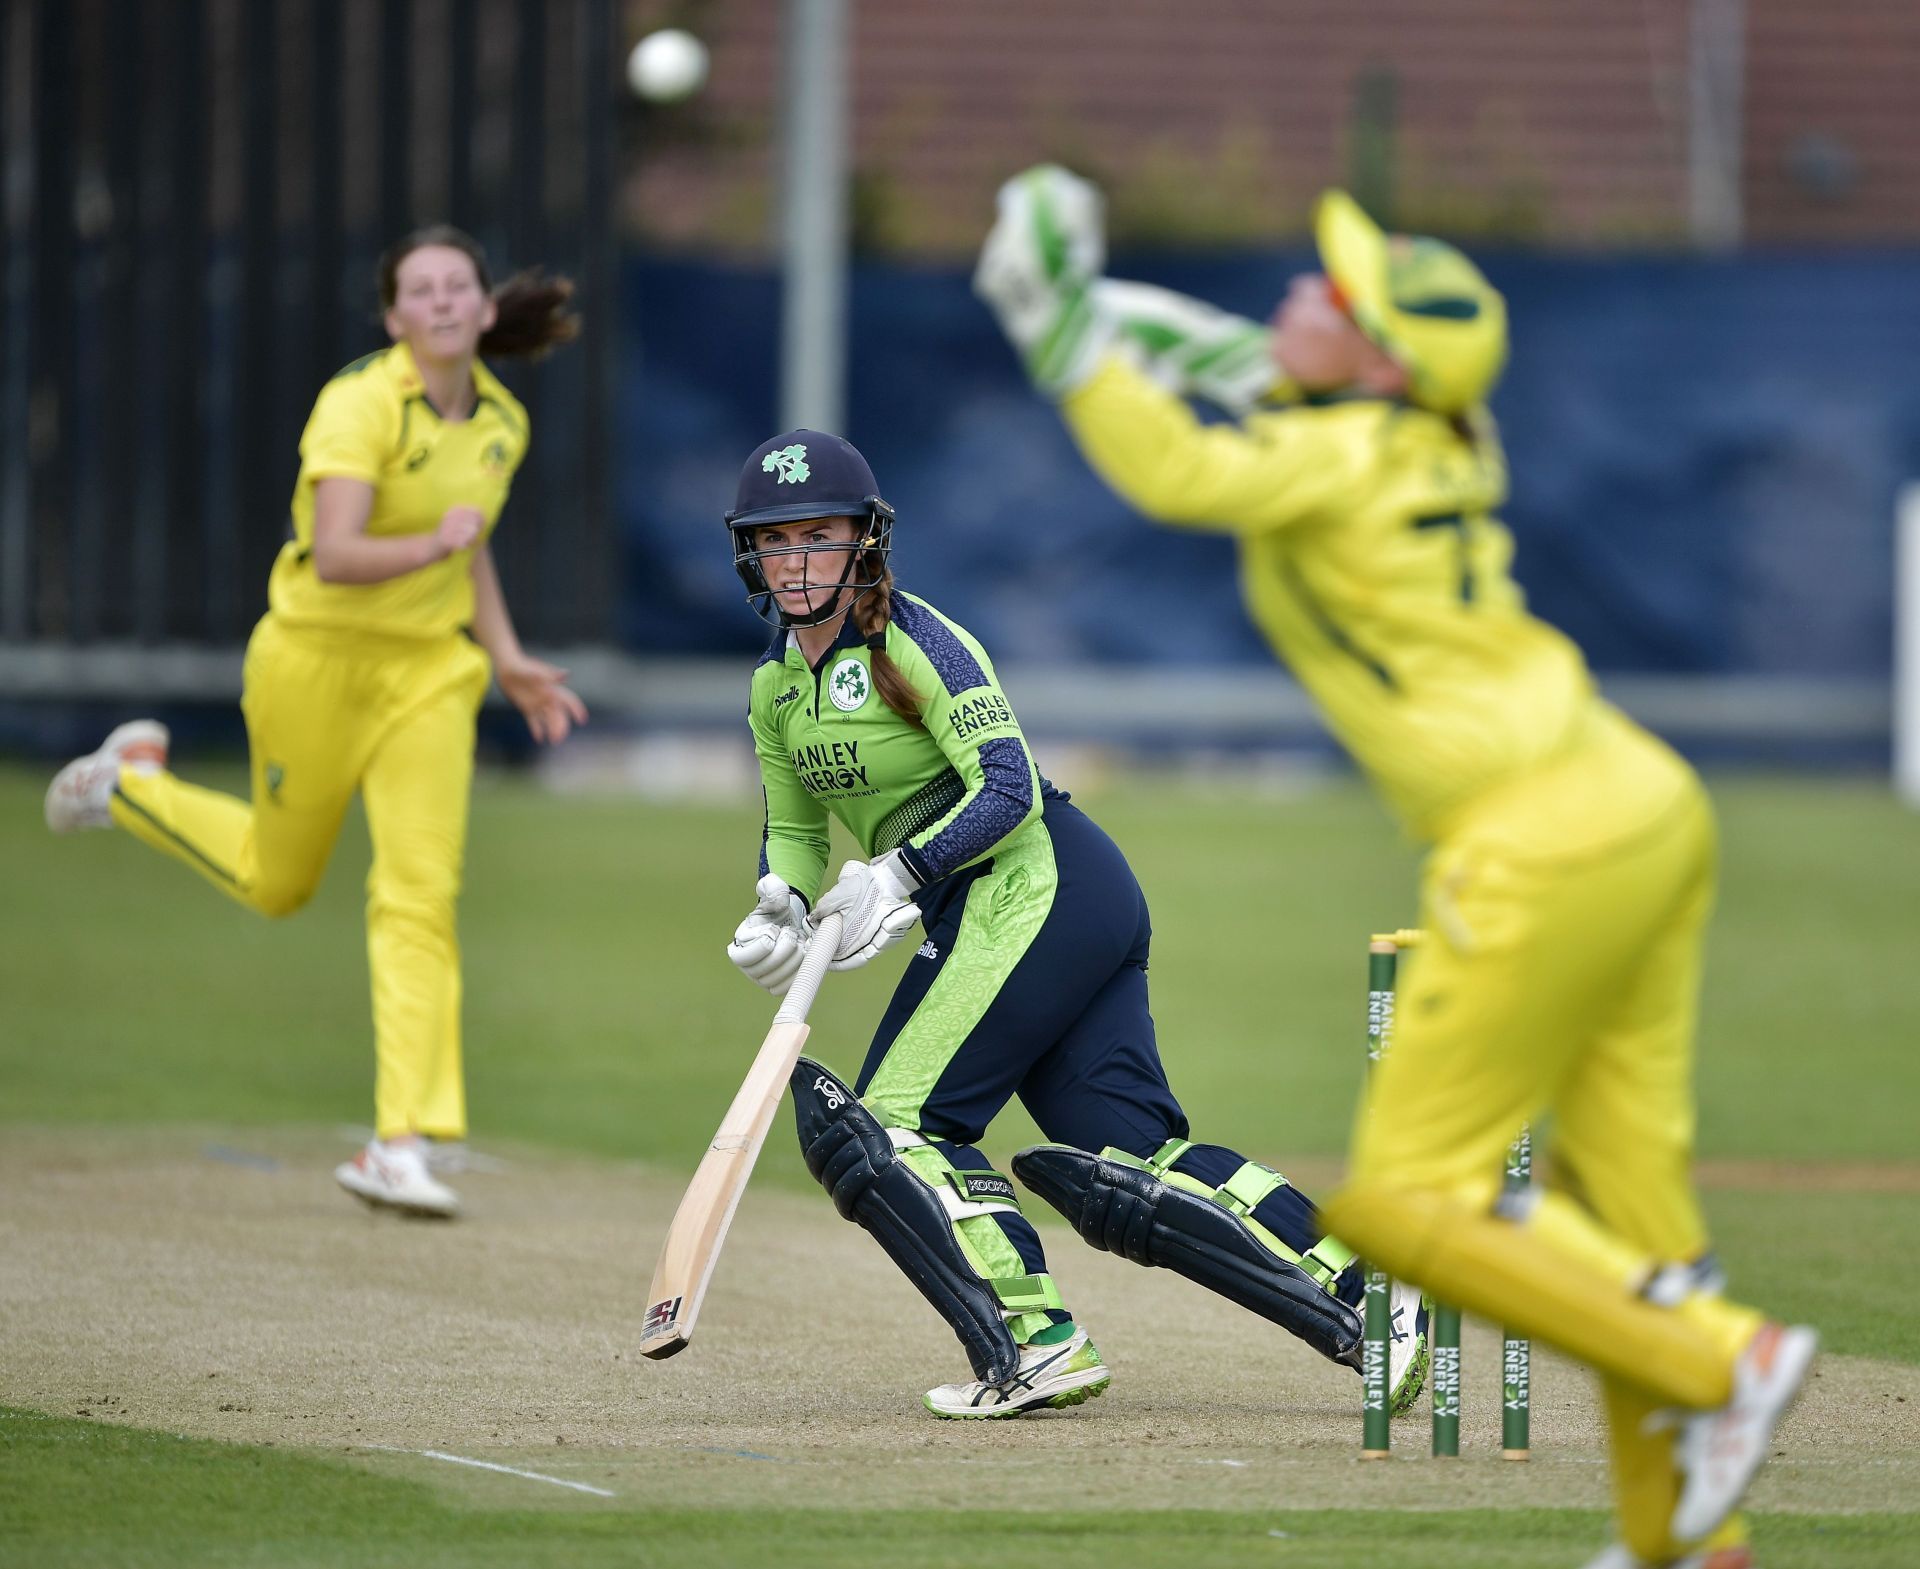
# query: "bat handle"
813 970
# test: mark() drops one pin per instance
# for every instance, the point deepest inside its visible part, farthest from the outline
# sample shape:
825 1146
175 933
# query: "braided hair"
872 613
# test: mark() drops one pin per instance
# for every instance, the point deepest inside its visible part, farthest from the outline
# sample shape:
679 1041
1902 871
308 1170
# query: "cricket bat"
700 1224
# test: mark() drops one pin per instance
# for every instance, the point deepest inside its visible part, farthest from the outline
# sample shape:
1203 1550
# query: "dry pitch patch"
217 1284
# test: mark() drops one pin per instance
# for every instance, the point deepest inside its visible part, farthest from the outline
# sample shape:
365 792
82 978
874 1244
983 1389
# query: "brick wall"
1833 121
1214 121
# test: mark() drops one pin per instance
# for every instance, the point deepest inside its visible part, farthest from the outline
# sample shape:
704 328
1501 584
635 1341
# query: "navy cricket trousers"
1066 1026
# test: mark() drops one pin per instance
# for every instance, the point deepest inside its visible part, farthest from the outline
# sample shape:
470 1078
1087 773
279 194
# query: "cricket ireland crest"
848 686
790 463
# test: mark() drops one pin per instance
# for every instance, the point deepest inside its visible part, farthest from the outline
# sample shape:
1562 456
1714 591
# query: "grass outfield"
86 1495
602 1016
603 1021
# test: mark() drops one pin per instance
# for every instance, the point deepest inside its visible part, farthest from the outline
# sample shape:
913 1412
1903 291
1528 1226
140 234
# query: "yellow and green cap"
1420 300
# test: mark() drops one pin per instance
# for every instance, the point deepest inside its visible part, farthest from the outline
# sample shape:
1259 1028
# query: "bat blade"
706 1211
699 1228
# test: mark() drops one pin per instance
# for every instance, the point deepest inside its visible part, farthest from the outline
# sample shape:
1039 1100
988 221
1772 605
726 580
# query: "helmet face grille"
855 567
796 476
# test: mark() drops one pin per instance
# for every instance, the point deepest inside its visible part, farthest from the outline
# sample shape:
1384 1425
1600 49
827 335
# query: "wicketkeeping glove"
1036 271
1191 347
770 943
875 898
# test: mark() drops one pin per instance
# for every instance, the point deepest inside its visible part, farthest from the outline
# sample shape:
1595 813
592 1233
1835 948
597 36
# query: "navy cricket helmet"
809 474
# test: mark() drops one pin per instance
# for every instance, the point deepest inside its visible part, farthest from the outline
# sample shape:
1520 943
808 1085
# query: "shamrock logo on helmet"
791 462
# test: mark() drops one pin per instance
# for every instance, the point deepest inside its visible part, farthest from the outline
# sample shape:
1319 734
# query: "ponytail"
531 316
872 614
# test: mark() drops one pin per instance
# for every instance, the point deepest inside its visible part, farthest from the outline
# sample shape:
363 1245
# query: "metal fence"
195 194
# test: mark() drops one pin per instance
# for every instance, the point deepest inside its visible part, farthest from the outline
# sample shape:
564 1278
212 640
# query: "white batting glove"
875 898
770 943
1191 347
1046 247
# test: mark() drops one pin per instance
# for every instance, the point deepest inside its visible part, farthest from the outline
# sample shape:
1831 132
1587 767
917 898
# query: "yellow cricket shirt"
1371 558
373 422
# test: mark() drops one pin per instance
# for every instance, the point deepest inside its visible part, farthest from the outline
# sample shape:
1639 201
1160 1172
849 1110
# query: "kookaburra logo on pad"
790 463
829 1092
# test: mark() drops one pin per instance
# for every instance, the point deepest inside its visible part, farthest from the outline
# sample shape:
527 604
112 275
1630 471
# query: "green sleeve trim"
515 423
797 837
356 366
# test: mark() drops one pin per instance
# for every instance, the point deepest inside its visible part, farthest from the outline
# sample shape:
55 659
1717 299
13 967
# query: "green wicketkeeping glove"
1190 347
1037 271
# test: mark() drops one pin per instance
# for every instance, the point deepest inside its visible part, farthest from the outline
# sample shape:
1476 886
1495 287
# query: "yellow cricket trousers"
1565 915
328 712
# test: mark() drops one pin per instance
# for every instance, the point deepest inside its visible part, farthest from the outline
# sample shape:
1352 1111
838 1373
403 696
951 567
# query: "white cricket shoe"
81 793
1060 1375
1620 1556
1406 1347
392 1174
1719 1451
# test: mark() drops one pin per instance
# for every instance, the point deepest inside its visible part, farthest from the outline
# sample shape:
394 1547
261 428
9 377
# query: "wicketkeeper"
1572 868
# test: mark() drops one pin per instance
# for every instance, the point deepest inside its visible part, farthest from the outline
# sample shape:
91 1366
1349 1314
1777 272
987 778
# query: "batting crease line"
489 1465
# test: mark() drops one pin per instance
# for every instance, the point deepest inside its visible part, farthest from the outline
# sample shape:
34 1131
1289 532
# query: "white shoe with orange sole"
1719 1451
393 1174
81 793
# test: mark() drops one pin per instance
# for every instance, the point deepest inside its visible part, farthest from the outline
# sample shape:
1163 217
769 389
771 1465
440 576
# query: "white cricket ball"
667 66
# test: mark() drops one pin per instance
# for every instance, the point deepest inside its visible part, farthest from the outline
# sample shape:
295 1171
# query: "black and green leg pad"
851 1156
1127 1210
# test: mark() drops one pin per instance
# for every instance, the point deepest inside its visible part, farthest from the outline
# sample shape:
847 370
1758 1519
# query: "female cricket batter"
872 707
362 676
1572 866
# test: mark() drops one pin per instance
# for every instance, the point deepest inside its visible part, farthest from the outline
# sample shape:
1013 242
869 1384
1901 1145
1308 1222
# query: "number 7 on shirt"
699 1226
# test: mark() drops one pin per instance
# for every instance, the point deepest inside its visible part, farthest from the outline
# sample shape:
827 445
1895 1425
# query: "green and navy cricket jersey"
944 796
